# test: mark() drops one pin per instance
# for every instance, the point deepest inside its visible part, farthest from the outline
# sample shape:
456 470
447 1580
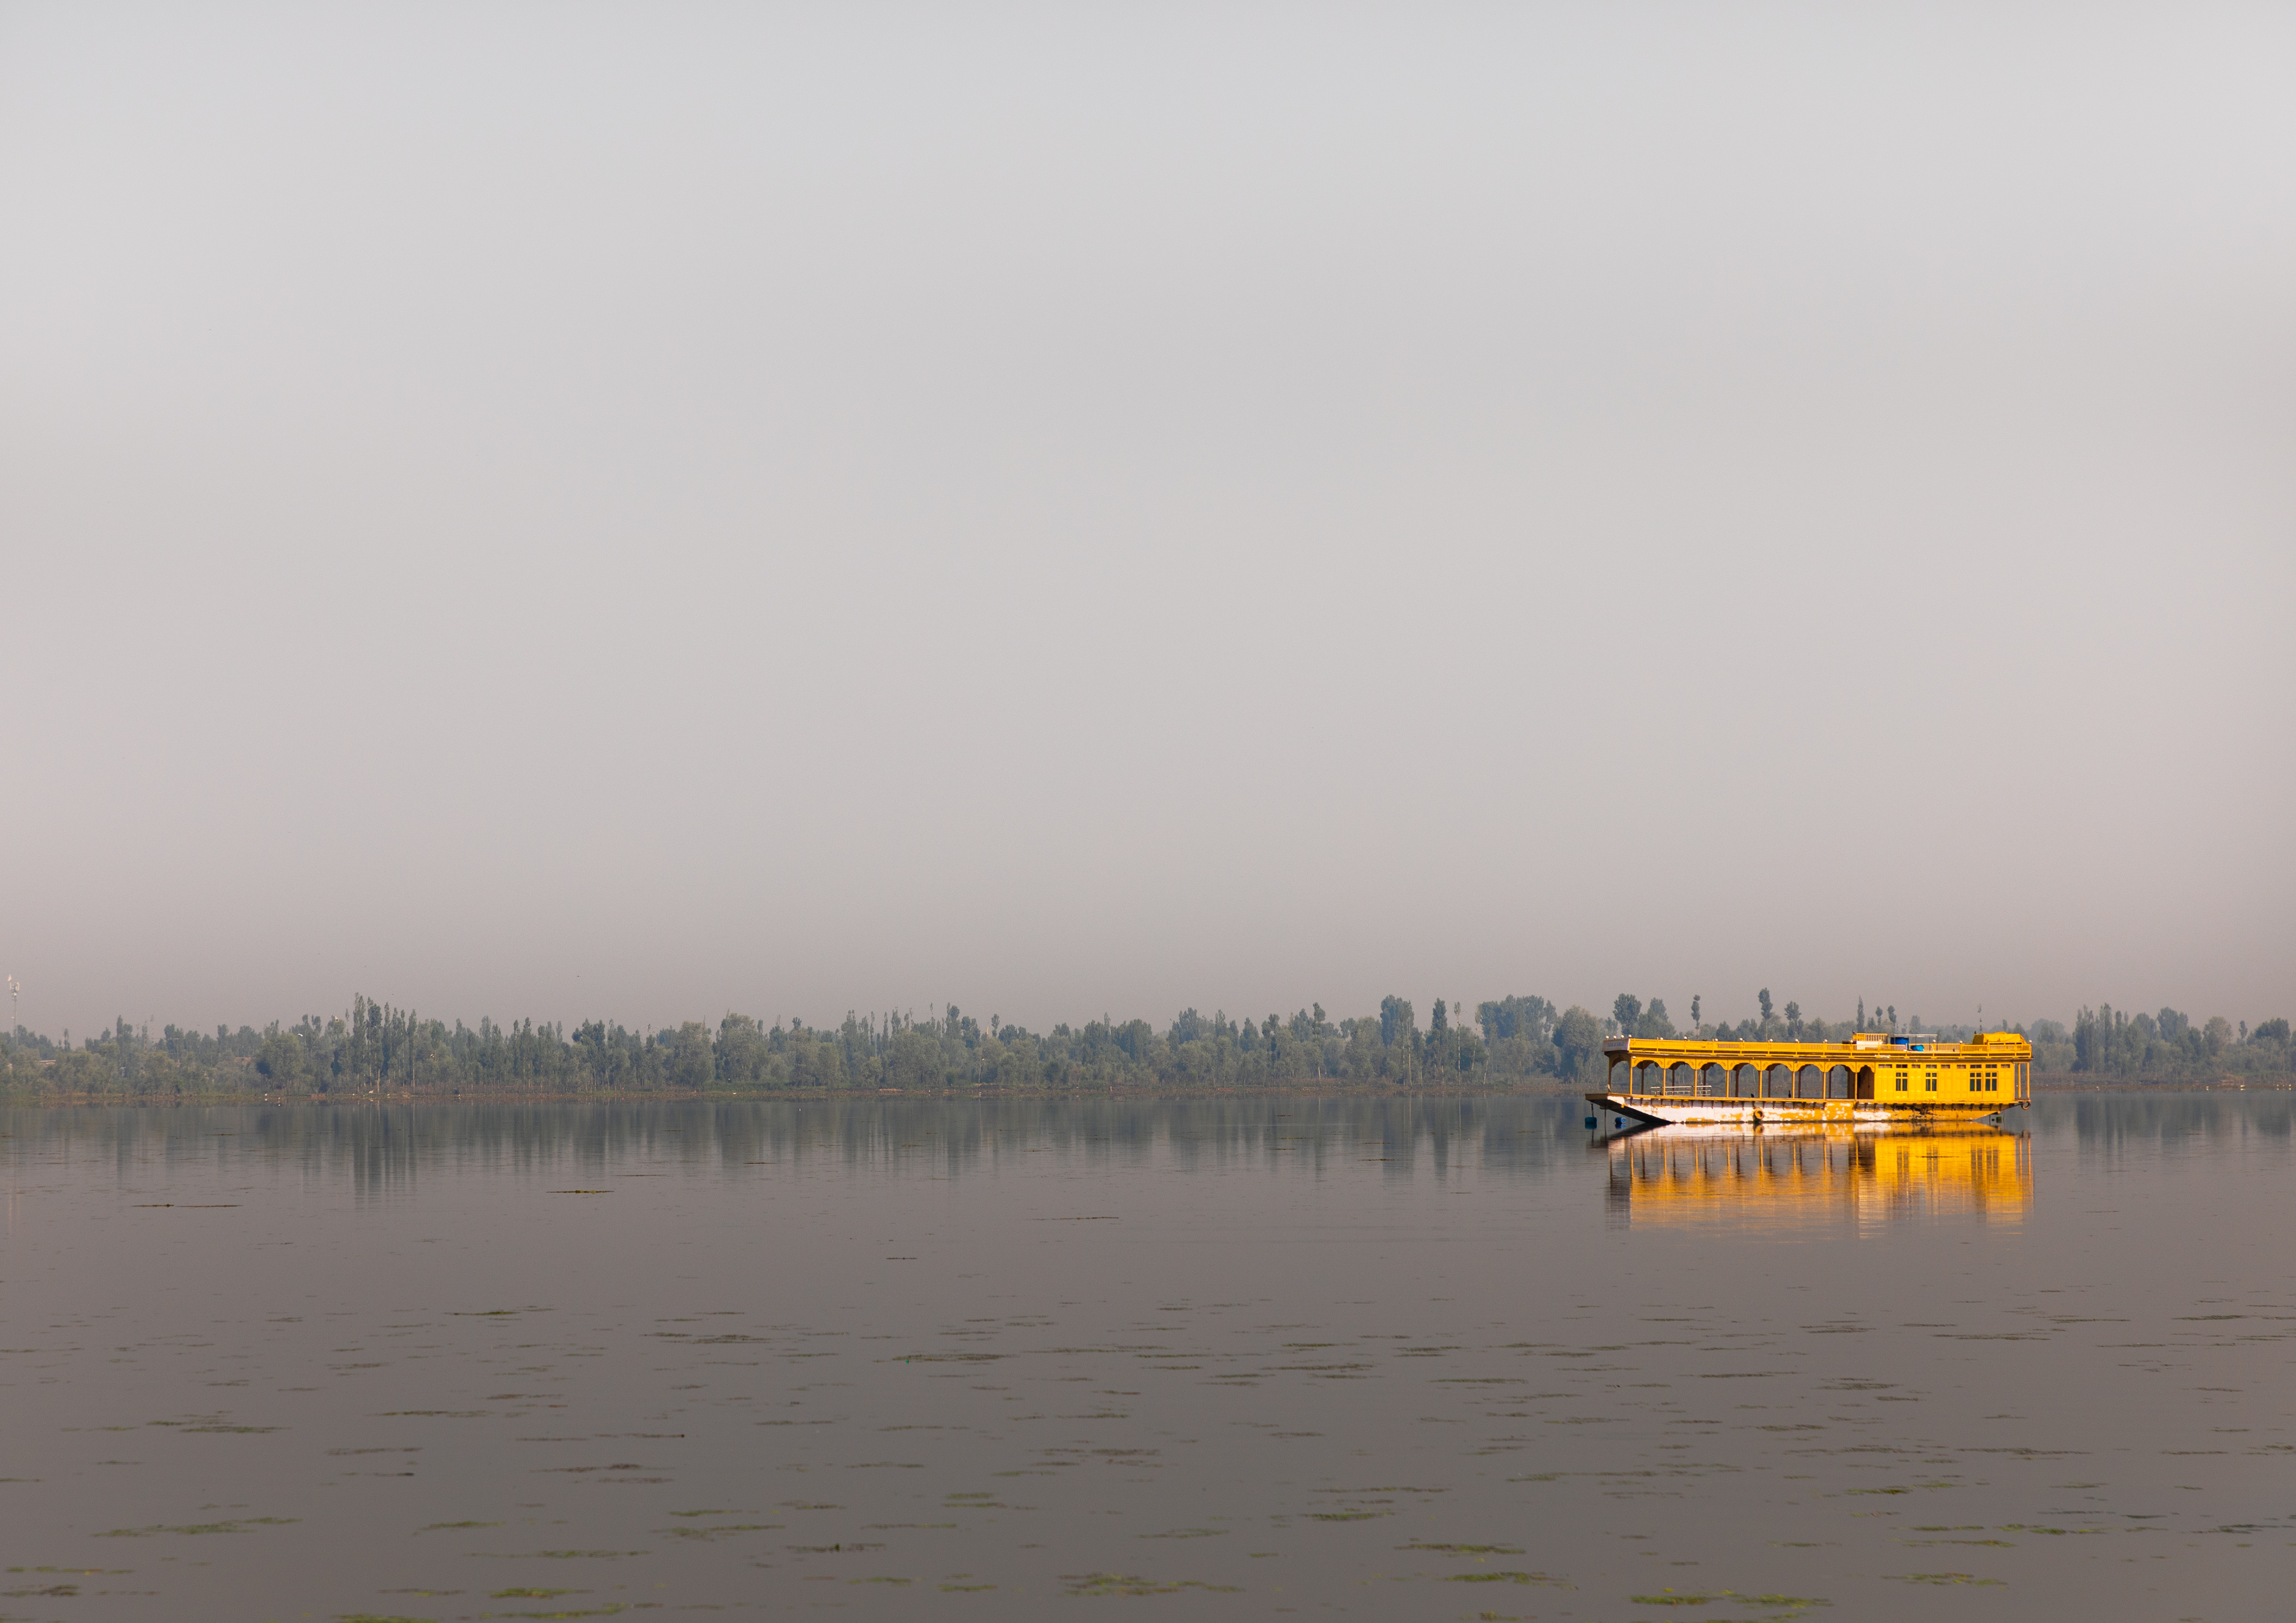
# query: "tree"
1763 998
1399 1024
913 1061
1519 1036
1627 1010
1529 1018
742 1054
280 1059
1578 1037
690 1060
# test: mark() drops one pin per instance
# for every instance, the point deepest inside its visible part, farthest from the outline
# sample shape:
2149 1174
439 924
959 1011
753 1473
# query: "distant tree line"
2109 1042
1511 1041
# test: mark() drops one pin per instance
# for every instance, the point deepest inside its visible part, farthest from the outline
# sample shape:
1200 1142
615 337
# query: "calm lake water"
986 1360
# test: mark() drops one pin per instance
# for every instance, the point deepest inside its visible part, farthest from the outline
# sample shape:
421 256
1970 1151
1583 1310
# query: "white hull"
1671 1112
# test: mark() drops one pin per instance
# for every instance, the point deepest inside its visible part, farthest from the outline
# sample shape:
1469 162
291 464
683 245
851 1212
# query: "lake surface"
994 1360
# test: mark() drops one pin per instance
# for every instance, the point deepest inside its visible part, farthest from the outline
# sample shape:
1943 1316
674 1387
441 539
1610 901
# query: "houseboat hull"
1660 1110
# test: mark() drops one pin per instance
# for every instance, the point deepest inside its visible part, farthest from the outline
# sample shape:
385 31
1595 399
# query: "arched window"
1809 1083
1712 1082
1777 1082
1837 1082
1677 1078
1646 1077
1865 1081
1746 1082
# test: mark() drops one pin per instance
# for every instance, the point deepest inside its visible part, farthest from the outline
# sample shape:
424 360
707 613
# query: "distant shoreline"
2043 1083
806 1095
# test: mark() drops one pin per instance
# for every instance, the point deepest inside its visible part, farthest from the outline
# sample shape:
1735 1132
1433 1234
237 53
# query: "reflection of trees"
386 1149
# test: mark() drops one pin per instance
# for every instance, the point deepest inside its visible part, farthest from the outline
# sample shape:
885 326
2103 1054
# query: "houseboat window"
1810 1084
1645 1076
1777 1083
1711 1084
1746 1082
1837 1082
1901 1081
1930 1082
1677 1078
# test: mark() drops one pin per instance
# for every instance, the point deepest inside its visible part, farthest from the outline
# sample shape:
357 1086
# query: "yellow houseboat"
1875 1077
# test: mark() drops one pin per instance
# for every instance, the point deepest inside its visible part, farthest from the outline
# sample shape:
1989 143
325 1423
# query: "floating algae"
1784 1602
1924 1544
1940 1578
202 1526
1506 1577
1120 1583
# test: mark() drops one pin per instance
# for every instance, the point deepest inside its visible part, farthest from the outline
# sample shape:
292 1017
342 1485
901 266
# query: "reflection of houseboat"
1694 1176
1874 1077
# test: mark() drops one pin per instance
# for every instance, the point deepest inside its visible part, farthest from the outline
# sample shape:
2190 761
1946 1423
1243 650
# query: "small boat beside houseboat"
1874 1077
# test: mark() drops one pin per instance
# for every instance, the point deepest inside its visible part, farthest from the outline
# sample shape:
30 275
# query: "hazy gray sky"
645 509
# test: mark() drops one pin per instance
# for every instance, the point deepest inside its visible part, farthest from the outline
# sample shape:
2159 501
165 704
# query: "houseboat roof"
1868 1047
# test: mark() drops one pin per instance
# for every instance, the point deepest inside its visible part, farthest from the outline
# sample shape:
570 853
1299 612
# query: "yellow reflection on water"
1766 1178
